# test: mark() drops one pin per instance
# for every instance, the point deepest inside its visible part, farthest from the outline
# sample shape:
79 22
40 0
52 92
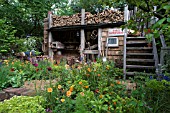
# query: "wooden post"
155 53
99 41
50 51
124 42
162 40
82 34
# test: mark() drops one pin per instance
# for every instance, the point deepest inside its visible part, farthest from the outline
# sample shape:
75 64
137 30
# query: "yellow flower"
68 93
80 83
98 75
49 90
86 86
62 100
88 69
69 82
67 66
107 67
12 63
59 86
101 96
81 93
56 98
111 84
6 61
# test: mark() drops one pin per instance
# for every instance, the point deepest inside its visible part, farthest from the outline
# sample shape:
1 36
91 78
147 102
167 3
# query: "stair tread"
139 53
139 48
137 73
140 66
139 60
136 42
136 38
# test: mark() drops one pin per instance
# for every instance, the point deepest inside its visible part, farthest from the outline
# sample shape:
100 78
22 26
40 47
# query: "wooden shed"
84 36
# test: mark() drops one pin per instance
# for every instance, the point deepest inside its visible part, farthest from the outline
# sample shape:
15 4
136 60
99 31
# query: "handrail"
124 41
155 53
162 40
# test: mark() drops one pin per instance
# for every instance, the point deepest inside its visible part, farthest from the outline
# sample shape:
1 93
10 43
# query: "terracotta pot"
149 45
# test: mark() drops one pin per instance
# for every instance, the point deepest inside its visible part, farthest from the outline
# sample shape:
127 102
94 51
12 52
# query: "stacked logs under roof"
107 16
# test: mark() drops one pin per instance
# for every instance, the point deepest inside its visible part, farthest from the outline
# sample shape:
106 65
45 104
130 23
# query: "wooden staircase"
139 57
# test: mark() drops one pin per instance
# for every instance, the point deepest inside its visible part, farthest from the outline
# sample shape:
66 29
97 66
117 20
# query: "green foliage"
7 39
23 104
147 14
153 94
14 73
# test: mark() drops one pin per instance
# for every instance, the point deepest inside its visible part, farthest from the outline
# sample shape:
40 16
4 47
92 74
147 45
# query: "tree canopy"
25 17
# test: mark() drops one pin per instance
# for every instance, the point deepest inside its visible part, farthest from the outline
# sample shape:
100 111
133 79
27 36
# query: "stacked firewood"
66 20
107 16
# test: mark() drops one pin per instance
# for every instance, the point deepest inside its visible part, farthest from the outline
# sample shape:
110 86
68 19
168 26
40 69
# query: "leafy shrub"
23 104
154 93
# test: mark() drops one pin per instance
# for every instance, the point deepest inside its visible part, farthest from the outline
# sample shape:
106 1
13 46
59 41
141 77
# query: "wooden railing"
164 50
155 53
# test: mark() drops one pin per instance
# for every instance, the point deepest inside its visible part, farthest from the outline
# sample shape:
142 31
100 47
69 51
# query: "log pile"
66 20
107 16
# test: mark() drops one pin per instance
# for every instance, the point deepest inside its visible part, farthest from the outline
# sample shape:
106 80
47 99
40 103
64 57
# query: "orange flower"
59 86
71 88
118 82
86 86
98 75
88 69
68 93
81 93
62 100
114 103
80 83
49 90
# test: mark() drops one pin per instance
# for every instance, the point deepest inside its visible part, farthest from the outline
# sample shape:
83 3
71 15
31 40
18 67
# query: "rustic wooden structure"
85 36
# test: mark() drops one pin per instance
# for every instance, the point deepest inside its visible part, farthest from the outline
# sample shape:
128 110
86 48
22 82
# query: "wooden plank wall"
114 53
45 40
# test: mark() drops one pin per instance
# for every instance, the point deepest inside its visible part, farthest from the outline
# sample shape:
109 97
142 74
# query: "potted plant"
149 39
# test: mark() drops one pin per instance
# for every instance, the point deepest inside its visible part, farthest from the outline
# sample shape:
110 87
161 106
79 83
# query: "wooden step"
140 66
139 60
139 73
135 38
139 48
140 54
136 42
